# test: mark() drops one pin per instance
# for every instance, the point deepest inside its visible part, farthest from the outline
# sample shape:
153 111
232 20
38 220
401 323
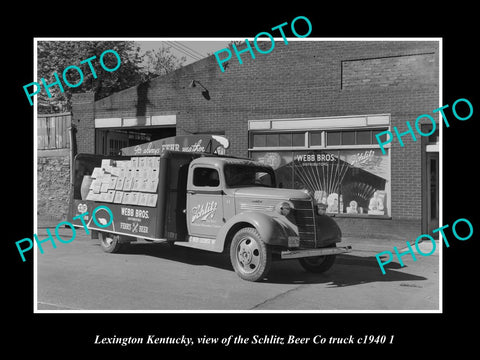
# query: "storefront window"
272 140
298 139
259 140
333 138
364 186
364 137
347 181
348 138
283 139
315 138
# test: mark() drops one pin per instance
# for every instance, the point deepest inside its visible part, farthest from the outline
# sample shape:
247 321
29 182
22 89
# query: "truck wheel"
109 242
317 264
250 256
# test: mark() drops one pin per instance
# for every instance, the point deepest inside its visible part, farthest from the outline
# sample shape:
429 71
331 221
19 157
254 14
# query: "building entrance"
432 191
110 141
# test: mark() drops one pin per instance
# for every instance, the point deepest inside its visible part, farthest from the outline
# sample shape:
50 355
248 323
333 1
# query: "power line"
183 51
189 48
195 55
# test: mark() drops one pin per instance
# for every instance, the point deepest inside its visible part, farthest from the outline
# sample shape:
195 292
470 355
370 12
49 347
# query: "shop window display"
346 181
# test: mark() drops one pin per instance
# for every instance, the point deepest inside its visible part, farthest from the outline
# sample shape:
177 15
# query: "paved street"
80 276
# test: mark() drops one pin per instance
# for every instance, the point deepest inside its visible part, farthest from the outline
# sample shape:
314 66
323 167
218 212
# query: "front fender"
328 231
274 230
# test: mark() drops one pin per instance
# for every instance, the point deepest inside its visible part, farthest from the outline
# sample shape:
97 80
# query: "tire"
318 264
250 256
110 242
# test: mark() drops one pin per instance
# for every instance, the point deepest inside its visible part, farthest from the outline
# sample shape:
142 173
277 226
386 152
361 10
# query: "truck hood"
270 193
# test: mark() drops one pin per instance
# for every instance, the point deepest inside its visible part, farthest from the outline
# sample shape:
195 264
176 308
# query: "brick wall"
83 116
397 229
406 70
301 79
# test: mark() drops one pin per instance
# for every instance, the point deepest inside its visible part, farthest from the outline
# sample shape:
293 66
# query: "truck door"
204 202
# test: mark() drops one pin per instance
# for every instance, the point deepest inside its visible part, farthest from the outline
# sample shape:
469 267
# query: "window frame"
324 138
198 167
324 146
252 133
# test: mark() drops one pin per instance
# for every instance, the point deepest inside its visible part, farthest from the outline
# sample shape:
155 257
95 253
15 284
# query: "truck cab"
234 204
225 205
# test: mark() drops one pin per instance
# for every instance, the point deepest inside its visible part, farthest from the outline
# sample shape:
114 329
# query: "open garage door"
113 134
110 141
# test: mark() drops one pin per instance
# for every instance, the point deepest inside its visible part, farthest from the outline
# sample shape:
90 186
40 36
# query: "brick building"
322 99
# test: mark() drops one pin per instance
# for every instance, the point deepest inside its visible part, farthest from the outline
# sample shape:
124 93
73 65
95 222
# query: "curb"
378 245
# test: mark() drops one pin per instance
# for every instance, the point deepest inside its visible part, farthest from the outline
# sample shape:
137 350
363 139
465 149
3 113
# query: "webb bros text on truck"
205 201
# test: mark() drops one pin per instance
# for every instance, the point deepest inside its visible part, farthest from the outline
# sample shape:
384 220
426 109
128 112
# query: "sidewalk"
372 245
48 222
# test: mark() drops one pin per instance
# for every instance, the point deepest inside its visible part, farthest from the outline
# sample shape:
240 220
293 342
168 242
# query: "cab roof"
220 161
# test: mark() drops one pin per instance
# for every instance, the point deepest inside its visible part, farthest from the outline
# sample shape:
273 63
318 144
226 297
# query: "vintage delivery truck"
205 201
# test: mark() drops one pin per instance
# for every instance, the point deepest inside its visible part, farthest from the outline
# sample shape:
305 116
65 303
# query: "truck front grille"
305 219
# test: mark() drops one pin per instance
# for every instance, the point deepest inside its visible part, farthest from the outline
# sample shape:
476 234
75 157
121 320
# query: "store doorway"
114 141
432 192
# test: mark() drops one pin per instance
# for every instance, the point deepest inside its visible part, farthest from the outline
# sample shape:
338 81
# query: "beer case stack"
127 182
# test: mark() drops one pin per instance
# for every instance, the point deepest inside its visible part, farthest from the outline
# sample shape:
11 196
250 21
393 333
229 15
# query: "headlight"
308 192
284 208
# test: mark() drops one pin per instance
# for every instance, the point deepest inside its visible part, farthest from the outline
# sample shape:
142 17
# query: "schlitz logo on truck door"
204 211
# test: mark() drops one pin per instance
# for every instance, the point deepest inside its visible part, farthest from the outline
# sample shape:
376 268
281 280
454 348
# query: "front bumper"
301 253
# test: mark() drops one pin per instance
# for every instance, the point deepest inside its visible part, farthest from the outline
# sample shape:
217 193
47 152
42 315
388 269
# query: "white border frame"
334 39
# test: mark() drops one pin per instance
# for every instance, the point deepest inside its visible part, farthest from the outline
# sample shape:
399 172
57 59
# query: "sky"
193 50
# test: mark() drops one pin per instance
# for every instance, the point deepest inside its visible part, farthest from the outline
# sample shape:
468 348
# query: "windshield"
249 175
